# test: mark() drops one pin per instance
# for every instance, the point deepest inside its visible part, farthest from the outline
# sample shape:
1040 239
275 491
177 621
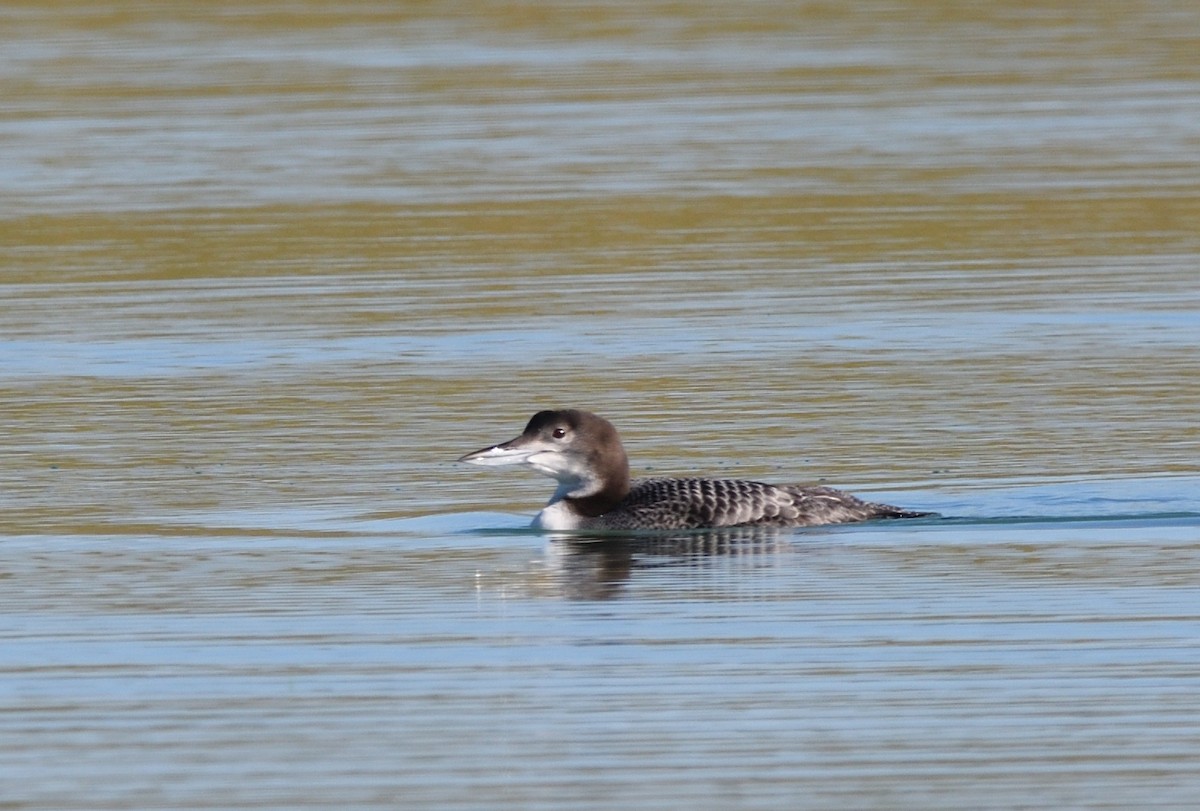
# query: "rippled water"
269 268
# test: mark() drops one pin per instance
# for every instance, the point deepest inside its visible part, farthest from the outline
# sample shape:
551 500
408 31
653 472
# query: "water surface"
268 268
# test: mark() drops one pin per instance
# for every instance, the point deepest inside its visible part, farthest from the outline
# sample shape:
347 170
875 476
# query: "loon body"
583 453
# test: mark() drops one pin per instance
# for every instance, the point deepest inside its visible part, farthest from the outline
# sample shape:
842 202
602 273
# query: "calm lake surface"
269 268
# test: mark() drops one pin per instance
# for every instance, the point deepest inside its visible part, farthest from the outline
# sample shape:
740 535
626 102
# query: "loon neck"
613 489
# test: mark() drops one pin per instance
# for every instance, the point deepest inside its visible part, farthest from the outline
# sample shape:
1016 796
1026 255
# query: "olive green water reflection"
774 350
267 268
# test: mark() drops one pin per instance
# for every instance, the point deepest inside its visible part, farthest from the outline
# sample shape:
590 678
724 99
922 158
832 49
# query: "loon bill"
583 453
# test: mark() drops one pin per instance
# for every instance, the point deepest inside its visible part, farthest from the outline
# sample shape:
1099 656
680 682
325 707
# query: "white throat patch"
557 515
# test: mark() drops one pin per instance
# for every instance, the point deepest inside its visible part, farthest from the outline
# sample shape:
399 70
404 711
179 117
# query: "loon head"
578 449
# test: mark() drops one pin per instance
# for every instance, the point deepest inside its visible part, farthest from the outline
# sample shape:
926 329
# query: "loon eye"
559 432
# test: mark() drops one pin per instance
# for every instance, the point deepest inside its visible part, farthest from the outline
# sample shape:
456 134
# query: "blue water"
463 660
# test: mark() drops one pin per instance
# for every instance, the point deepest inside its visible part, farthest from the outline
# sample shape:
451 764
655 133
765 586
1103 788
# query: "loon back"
700 503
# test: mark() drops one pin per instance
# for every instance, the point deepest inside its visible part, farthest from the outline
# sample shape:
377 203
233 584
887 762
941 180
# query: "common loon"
583 452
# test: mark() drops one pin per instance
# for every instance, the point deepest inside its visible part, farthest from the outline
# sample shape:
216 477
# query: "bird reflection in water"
599 566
